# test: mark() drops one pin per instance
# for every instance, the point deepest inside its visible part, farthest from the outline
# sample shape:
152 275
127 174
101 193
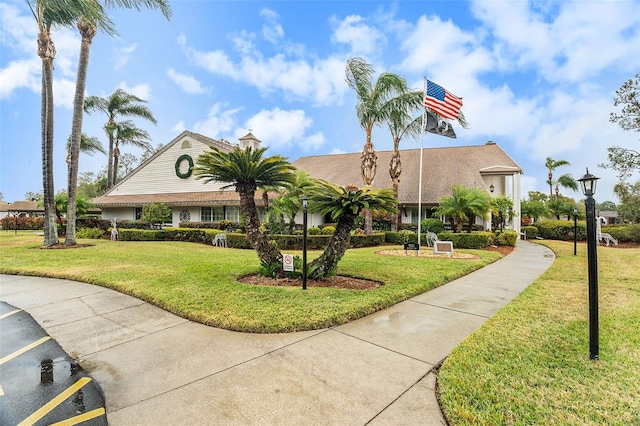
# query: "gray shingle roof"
442 168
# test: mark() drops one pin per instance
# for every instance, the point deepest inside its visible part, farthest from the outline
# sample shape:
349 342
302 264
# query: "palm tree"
51 14
376 103
119 103
551 165
566 181
247 171
463 204
126 133
88 145
401 124
478 204
343 205
289 203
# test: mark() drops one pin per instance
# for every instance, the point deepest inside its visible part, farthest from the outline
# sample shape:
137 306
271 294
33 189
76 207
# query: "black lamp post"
588 183
575 230
305 205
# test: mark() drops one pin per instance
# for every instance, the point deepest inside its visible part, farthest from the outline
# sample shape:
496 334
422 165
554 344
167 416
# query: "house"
166 177
21 208
483 166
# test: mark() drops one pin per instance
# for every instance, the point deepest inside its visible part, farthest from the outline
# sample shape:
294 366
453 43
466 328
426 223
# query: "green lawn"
199 281
529 364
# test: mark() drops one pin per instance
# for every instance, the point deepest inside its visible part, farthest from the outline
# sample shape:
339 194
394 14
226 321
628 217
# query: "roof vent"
490 143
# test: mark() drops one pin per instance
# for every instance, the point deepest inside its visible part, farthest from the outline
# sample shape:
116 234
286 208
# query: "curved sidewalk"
156 368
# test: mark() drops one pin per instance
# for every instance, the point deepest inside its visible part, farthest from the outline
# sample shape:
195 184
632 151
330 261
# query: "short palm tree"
247 170
551 165
343 205
463 204
118 104
289 203
478 204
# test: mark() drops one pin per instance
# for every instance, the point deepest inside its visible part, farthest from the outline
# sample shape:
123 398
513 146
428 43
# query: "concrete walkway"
156 368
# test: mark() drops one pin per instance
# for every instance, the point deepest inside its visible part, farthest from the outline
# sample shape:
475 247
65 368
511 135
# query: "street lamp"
575 230
305 205
588 183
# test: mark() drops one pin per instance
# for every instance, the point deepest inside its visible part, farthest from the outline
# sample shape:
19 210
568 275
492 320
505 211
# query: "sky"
538 78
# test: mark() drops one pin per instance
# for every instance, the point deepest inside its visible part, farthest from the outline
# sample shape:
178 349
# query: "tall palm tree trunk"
368 169
395 170
47 52
88 31
116 161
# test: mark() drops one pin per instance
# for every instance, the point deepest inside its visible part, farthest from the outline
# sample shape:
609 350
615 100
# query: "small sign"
443 247
287 262
411 246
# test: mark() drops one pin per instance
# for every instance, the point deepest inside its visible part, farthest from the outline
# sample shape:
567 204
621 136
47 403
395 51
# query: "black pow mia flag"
439 126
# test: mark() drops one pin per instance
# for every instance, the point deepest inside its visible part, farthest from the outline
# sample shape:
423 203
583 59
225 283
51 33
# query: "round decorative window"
185 216
179 166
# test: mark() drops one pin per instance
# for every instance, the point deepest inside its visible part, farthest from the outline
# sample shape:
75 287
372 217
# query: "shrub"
473 240
431 225
314 231
129 234
624 233
530 232
506 238
328 230
560 229
94 233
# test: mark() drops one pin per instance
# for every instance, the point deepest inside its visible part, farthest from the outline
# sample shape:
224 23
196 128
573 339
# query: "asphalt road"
39 383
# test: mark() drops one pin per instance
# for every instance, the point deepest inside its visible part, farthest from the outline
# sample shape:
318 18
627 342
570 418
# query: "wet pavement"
156 368
39 383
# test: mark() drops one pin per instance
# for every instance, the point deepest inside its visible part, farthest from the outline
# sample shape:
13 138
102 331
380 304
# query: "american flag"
441 101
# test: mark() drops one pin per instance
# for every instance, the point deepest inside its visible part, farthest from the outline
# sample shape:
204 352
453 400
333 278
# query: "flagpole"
424 125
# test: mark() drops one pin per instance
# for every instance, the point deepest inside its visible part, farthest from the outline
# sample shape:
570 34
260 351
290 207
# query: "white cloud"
363 39
271 30
178 128
186 82
142 91
280 129
122 55
218 122
19 74
569 42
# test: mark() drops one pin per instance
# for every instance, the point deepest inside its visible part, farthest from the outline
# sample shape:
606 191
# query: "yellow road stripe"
46 408
81 418
3 316
23 350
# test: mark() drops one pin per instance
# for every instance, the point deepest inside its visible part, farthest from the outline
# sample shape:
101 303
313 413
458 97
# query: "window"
205 214
233 213
217 213
138 213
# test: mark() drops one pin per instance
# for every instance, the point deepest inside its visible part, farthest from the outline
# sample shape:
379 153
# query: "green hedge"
560 230
505 238
624 233
237 240
464 240
531 232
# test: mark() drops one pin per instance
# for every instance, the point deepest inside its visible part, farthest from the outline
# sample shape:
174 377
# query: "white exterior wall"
119 213
159 176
